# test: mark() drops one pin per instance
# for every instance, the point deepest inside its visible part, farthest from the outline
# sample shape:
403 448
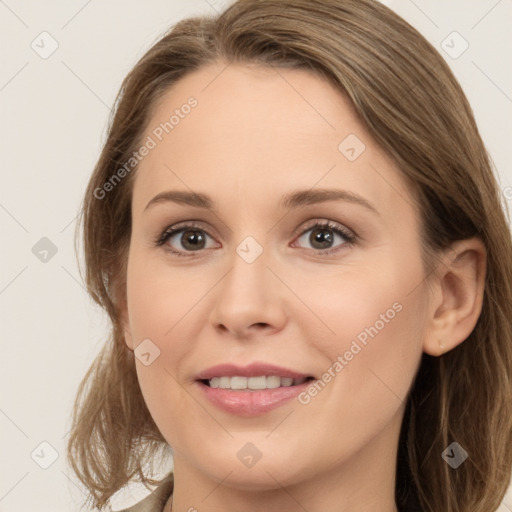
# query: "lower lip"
251 403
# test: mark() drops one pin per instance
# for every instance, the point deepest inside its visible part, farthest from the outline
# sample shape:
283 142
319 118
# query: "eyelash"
169 232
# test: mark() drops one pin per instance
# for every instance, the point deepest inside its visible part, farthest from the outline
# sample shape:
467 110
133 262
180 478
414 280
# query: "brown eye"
188 239
323 236
183 240
192 239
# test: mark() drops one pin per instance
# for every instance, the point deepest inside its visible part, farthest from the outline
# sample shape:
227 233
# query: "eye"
323 235
190 237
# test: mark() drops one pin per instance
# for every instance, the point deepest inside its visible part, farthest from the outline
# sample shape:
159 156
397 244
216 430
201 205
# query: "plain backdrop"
54 109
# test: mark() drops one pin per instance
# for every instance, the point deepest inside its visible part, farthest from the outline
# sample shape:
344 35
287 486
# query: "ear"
457 296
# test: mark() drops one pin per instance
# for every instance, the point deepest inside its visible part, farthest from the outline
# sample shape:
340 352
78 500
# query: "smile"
240 383
250 390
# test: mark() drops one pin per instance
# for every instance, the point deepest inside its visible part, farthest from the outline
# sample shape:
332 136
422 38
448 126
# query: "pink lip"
251 370
249 403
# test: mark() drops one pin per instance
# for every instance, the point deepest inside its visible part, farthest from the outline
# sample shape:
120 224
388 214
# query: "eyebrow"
289 201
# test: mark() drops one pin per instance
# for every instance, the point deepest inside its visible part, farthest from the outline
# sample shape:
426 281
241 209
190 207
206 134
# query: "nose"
249 301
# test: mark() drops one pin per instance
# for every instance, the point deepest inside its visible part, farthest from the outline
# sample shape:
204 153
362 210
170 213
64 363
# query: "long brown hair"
415 109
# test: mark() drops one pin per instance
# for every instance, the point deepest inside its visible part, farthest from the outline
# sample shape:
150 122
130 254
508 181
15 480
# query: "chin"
275 468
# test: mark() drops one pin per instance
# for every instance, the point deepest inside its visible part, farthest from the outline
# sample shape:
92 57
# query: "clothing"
156 501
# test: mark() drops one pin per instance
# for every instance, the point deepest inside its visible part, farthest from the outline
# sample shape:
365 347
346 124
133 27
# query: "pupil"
193 238
324 240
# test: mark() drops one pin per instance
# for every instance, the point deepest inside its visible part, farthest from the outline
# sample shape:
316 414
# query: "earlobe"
457 302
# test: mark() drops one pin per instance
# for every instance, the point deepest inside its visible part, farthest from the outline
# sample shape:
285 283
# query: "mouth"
251 390
258 383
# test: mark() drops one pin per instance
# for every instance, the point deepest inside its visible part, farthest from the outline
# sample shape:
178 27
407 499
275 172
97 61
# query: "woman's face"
252 287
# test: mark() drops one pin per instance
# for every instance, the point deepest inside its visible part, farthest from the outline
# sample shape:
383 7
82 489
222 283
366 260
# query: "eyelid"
349 235
327 222
171 229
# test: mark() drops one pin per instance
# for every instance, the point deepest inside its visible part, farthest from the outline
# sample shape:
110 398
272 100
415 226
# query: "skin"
255 135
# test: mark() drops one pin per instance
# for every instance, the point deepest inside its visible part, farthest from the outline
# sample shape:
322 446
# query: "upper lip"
252 370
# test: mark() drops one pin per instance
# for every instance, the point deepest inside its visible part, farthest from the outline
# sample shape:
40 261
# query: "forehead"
253 131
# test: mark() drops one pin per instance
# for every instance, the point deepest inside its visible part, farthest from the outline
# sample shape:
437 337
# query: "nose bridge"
248 293
248 278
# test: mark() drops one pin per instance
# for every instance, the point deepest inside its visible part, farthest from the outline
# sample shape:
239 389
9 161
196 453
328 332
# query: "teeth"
257 382
238 382
273 382
254 383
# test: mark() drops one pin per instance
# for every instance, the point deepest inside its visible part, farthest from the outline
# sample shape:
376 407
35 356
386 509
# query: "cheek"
373 355
371 304
159 302
158 298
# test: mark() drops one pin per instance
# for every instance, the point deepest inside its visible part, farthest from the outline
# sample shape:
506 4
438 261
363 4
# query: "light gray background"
53 119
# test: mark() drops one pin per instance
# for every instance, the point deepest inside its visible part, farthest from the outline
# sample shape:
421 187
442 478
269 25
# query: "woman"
297 234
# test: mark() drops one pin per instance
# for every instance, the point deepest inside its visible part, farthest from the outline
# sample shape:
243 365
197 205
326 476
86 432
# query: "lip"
250 403
252 370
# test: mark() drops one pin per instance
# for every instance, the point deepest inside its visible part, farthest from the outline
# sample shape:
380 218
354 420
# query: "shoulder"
156 501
